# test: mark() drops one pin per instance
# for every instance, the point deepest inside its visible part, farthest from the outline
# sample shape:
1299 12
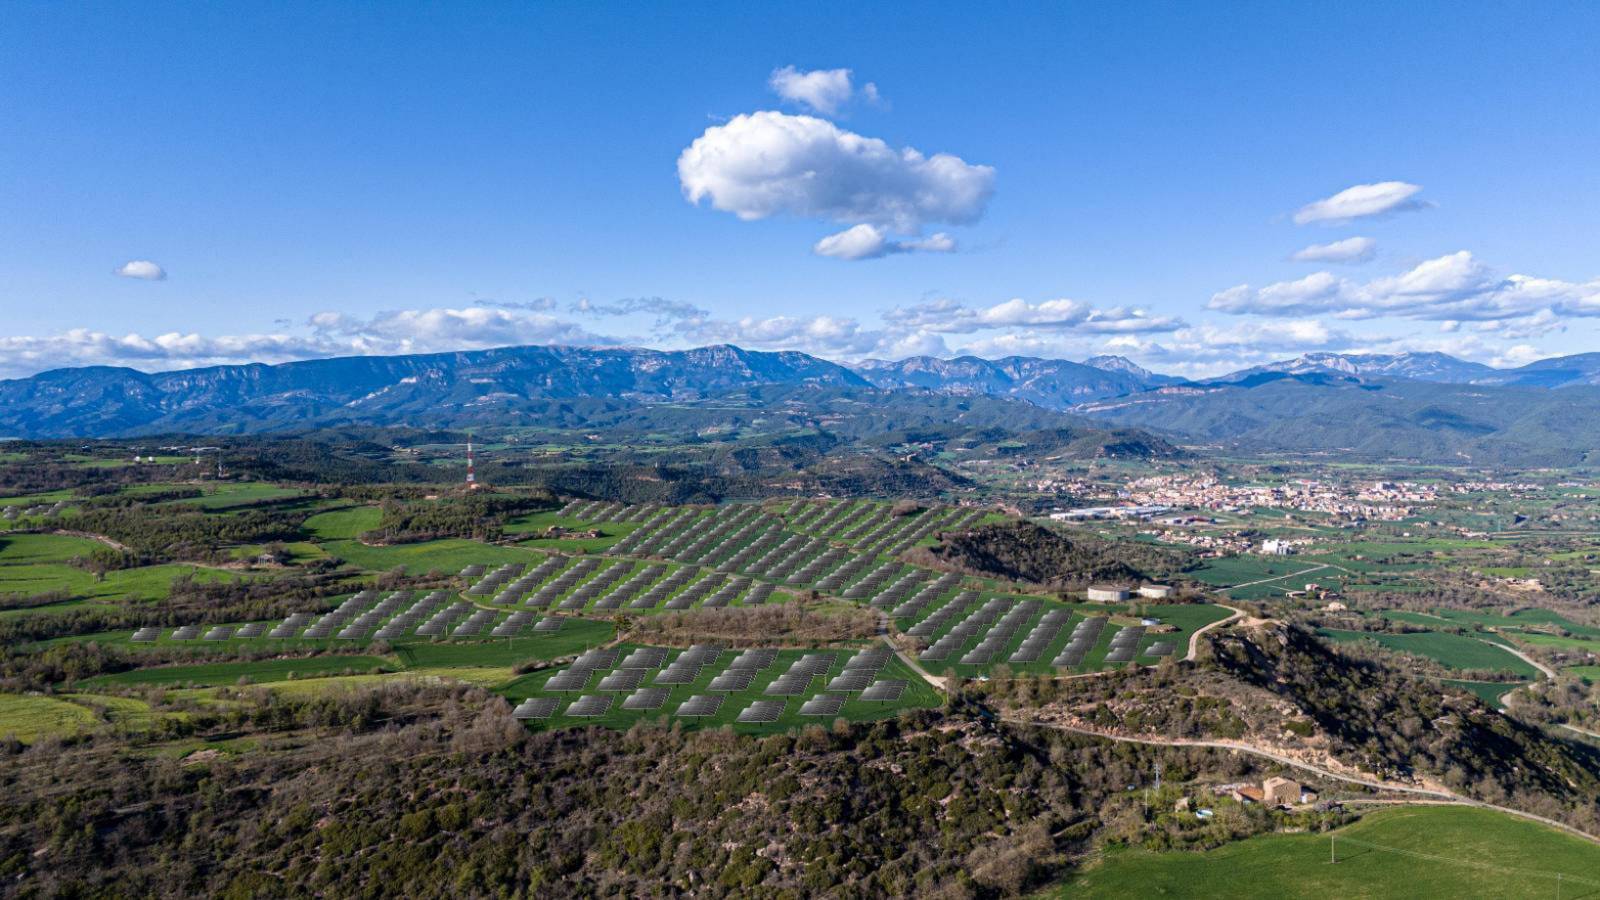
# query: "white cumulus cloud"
871 242
142 269
1454 287
1349 250
1361 201
767 163
824 90
951 317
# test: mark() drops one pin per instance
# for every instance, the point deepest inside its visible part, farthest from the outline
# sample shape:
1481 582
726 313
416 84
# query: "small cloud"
824 90
870 242
1362 201
142 269
1349 250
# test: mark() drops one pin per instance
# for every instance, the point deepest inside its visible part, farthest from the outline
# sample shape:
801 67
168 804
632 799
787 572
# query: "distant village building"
1275 547
1155 591
1109 593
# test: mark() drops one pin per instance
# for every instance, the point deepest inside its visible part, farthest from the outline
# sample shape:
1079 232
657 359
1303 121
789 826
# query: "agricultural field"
1409 852
1450 650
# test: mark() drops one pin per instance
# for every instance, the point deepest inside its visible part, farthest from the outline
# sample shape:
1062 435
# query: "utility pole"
1333 855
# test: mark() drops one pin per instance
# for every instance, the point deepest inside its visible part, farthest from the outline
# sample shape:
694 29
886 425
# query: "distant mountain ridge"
1051 383
1408 405
1347 416
1441 368
105 401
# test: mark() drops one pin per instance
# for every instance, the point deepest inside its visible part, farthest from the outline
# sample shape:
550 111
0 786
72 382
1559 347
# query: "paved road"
1446 796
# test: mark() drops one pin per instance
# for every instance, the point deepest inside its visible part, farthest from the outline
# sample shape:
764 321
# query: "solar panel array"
644 677
1080 642
603 511
590 705
762 712
884 690
1044 634
1124 644
148 633
873 528
536 708
700 705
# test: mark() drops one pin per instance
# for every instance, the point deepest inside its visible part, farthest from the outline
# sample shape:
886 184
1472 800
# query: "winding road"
1430 795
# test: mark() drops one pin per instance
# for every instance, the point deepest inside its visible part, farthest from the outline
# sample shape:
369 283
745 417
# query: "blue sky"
321 179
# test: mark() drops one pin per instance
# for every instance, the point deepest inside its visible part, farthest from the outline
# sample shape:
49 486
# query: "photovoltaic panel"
700 654
590 705
788 686
756 659
823 705
762 711
1160 648
875 658
598 658
700 705
884 690
567 681
677 675
644 658
623 680
536 708
647 698
733 680
851 681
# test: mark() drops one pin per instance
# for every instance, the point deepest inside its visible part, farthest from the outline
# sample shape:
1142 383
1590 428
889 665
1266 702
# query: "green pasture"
38 563
1410 853
226 673
1453 651
28 717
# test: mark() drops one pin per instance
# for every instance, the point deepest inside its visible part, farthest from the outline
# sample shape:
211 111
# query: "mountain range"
1424 406
1052 383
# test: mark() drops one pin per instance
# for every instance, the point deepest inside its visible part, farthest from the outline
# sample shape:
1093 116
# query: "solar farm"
549 603
759 689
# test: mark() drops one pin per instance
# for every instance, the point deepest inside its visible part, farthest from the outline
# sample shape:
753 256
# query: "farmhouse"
1280 791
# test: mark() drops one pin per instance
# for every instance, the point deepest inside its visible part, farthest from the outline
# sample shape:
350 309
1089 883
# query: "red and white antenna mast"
472 477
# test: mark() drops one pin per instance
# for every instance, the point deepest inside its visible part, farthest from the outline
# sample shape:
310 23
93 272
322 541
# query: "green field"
343 524
1450 650
1489 692
1521 619
28 718
1414 852
38 563
226 673
449 556
533 523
